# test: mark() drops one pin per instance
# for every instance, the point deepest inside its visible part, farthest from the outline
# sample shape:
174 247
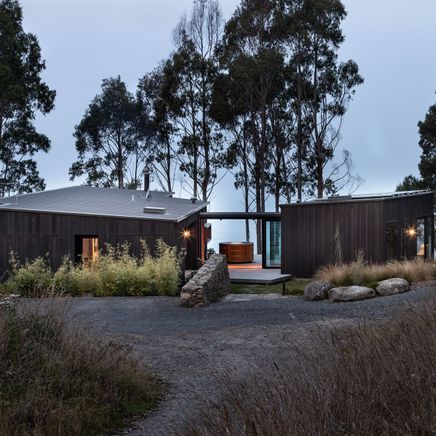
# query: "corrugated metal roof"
87 200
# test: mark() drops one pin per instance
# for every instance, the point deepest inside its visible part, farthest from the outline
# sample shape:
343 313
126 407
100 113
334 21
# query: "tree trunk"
246 186
120 169
299 137
168 168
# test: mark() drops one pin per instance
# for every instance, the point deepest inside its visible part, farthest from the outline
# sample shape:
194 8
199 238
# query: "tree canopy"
112 138
427 164
23 94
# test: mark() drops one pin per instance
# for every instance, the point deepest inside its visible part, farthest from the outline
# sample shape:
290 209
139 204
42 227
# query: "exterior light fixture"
186 234
411 232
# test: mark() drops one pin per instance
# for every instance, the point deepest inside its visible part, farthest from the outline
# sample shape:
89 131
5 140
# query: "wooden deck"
252 273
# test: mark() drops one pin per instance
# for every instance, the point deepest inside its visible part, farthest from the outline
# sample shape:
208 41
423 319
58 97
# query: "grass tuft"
54 381
362 273
370 379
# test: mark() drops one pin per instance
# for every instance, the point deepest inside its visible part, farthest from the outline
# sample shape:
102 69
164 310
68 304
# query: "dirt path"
192 349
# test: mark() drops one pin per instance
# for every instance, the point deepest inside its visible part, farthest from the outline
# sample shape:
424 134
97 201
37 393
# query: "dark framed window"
392 240
425 238
272 244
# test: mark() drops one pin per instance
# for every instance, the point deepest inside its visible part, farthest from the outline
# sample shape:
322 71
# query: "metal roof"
239 215
361 198
120 203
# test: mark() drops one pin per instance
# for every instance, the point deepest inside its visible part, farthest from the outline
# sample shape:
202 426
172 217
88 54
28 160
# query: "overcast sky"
393 41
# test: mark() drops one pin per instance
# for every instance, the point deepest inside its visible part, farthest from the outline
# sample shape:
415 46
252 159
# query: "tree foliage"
427 164
112 138
23 94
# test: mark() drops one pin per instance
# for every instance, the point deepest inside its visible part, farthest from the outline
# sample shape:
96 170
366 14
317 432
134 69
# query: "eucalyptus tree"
112 139
311 34
155 91
195 68
252 62
23 94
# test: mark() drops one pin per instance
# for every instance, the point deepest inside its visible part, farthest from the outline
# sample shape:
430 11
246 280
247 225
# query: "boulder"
351 293
392 286
211 283
318 290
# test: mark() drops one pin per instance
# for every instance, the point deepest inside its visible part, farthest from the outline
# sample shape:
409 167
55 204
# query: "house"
306 236
79 221
382 227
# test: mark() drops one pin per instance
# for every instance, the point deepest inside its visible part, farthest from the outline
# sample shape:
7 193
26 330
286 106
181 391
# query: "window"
429 225
273 244
392 241
420 238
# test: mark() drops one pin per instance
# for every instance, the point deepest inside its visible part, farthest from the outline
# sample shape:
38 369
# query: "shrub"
33 278
359 380
116 273
76 280
124 275
166 269
54 381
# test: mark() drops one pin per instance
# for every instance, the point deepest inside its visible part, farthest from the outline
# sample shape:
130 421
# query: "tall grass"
115 273
362 273
363 380
57 382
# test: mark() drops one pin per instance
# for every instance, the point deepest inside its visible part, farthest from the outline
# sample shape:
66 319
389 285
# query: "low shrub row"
362 273
115 273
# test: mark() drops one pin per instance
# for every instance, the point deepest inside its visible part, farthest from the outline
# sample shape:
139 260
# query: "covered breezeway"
264 268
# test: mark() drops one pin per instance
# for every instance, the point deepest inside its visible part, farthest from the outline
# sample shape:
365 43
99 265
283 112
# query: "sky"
393 41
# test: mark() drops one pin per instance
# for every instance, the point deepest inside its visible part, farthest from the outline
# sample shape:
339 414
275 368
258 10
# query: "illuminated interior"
89 250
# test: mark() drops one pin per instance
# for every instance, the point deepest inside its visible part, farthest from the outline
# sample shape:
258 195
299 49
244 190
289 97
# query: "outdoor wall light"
186 234
411 233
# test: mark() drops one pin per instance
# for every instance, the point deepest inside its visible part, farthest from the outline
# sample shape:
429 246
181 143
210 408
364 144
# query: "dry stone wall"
211 283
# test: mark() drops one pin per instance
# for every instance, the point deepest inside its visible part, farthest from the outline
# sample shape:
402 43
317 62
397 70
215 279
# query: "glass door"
272 240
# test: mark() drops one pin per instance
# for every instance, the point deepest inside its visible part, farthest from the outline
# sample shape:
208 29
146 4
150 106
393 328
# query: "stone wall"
211 283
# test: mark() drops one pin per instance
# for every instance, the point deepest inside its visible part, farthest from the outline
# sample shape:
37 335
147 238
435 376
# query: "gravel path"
190 348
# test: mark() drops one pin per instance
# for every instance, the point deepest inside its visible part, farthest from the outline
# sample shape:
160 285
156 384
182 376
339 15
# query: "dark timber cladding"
314 232
56 223
35 234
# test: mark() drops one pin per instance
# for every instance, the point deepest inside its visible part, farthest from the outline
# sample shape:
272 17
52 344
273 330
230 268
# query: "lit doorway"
86 249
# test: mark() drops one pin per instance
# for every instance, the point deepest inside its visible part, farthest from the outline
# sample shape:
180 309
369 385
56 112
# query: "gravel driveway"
187 346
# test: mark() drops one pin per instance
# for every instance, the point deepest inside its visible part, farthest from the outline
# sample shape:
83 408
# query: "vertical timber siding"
33 234
308 230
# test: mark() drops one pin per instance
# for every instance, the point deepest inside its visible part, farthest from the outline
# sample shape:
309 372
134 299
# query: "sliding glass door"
272 244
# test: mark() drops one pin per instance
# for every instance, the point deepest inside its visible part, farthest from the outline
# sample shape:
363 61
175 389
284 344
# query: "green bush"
76 280
115 273
32 279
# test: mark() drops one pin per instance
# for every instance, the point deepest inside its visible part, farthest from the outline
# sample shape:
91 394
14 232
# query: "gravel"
190 348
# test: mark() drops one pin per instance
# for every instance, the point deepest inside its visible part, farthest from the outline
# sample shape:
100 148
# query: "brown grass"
365 380
56 382
361 273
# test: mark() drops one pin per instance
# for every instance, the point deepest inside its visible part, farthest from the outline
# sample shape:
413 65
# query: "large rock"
318 290
211 283
351 293
392 286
